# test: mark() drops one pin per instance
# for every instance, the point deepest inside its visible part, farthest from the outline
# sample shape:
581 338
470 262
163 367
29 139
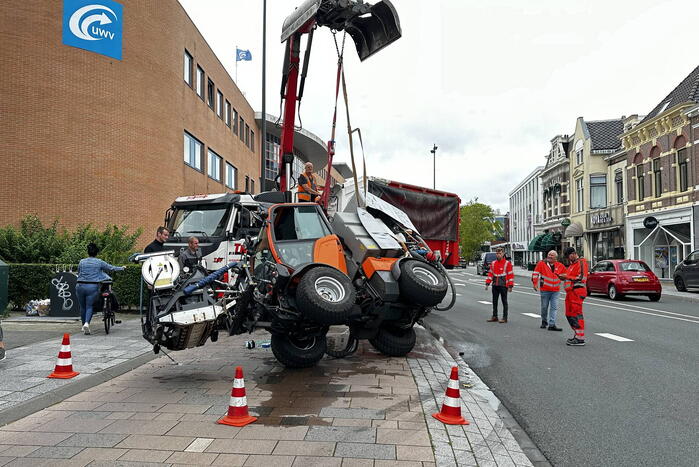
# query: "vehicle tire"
352 346
295 353
394 342
421 283
680 285
654 297
106 314
325 295
589 292
613 293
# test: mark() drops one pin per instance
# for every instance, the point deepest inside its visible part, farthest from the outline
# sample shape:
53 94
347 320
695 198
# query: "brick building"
86 138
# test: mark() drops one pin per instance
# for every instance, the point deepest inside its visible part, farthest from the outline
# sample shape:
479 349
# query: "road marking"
199 445
613 337
458 294
533 315
484 302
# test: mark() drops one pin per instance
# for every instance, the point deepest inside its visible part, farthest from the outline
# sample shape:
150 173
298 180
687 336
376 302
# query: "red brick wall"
88 139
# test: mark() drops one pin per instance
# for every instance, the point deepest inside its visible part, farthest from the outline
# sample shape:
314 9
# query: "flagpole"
263 186
236 66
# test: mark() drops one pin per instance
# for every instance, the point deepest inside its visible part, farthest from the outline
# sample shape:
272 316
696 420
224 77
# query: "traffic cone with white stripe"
238 408
451 408
64 364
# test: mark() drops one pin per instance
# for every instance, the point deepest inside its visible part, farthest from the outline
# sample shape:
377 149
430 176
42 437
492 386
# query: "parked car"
483 266
687 272
618 277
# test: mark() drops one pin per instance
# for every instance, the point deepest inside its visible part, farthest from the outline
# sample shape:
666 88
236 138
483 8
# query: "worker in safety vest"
546 282
502 277
575 286
307 189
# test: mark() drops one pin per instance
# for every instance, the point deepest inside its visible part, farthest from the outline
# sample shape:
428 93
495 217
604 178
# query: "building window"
252 141
235 121
682 168
579 152
598 191
192 151
210 94
231 176
200 82
247 135
188 63
241 133
228 113
252 186
640 177
271 158
247 184
657 178
219 104
579 192
619 183
214 166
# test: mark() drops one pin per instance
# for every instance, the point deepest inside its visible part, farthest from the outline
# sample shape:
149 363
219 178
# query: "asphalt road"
612 402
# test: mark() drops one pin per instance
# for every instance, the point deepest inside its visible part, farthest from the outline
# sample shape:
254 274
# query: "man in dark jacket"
161 236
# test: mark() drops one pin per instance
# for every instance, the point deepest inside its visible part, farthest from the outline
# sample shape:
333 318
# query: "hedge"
31 281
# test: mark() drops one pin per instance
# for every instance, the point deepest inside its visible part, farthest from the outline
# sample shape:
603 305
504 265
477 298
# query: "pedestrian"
546 282
2 346
502 277
576 290
307 189
91 272
190 256
161 236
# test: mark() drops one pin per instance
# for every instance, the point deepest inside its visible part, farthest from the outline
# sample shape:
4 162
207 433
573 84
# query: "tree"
478 225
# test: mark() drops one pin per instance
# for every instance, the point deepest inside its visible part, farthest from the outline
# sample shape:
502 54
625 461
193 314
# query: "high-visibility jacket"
546 279
501 273
576 276
304 195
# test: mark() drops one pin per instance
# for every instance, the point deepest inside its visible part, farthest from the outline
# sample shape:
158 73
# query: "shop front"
662 240
605 234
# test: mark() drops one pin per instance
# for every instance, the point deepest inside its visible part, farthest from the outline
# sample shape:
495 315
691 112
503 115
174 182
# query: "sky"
490 83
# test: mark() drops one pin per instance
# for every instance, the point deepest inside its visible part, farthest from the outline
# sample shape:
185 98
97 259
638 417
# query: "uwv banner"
93 25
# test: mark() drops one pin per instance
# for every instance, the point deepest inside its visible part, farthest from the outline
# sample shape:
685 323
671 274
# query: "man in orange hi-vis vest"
546 282
576 290
502 277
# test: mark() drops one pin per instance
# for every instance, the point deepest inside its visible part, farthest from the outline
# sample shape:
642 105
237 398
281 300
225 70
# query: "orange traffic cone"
451 408
64 365
238 408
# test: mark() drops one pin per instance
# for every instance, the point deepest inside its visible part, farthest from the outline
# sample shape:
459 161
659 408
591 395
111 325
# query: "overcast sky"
489 82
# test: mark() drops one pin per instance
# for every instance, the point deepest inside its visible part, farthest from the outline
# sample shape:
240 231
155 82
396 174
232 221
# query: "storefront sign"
565 222
601 218
650 222
93 25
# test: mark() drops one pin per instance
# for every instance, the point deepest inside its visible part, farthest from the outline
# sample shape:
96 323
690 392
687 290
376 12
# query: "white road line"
458 294
533 315
484 302
613 337
643 308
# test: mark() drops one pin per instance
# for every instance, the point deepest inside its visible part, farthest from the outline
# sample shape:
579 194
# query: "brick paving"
365 410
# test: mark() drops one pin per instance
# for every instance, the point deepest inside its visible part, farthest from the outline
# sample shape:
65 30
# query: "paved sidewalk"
23 375
366 410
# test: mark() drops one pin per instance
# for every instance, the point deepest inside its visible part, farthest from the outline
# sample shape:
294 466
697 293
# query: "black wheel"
156 349
106 314
298 353
421 283
325 295
613 293
352 346
394 342
654 297
680 285
214 336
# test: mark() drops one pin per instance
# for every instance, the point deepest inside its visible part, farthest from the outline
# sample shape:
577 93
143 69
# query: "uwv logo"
93 26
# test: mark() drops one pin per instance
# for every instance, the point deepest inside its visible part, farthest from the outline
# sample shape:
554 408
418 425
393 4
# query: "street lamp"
434 166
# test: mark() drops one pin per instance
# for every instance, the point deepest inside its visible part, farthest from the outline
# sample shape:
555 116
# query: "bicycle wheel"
106 314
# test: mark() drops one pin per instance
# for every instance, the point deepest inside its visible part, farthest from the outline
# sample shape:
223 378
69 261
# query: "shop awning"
574 230
535 244
548 243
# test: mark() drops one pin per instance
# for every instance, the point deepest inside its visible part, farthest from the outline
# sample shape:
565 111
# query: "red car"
618 277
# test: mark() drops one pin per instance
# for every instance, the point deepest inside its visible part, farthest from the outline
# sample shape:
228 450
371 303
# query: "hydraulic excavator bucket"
372 27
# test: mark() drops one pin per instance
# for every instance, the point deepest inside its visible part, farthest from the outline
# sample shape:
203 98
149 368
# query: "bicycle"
109 305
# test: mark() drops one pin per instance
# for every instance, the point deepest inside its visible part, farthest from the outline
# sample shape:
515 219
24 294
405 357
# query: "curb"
69 390
530 449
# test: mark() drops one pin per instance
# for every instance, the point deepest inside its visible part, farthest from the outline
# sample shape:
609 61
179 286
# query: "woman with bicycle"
91 272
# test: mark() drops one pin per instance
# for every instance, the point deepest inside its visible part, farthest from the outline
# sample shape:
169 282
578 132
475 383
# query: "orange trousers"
574 311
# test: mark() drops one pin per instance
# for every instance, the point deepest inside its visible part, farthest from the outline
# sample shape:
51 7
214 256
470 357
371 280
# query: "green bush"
31 281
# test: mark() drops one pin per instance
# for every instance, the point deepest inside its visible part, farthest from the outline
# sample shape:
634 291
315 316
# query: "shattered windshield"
208 220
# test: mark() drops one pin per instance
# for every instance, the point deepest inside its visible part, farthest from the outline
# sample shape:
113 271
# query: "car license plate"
640 279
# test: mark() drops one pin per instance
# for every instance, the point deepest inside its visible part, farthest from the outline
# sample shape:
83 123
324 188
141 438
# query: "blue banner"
94 25
242 55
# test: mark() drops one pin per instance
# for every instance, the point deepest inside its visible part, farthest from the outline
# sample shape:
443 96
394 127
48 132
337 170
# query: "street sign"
650 222
565 222
94 25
